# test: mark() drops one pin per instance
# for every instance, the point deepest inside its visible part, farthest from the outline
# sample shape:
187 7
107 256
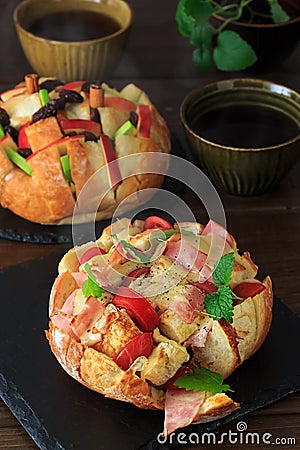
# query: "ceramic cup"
238 169
80 60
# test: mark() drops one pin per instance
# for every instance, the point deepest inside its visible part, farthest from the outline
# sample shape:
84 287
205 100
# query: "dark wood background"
158 59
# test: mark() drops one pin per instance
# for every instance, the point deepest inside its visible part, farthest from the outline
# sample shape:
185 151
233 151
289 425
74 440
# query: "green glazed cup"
80 60
242 171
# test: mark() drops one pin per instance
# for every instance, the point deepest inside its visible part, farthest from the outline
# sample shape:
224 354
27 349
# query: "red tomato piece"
248 289
22 138
206 286
135 274
138 308
93 251
140 345
156 222
170 384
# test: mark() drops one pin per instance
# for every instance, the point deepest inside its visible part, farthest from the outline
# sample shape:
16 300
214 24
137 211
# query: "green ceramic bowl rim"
264 85
73 43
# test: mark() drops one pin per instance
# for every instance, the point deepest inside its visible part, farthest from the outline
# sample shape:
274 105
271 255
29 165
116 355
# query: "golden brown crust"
43 133
45 196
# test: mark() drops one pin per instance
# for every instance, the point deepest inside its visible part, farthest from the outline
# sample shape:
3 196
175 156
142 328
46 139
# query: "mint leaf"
202 379
277 13
222 271
184 21
168 233
219 304
232 52
200 10
202 58
90 287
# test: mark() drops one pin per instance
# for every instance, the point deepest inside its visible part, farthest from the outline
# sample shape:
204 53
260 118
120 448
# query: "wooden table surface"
159 60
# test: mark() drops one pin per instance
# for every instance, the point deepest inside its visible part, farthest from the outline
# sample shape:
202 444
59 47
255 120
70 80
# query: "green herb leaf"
232 52
202 58
134 252
277 13
219 304
202 36
184 21
90 286
168 233
200 10
222 271
202 379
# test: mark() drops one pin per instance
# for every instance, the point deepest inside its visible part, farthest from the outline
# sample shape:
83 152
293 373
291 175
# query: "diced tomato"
119 103
93 251
248 289
140 345
72 86
170 384
135 274
206 286
81 124
22 138
156 222
138 308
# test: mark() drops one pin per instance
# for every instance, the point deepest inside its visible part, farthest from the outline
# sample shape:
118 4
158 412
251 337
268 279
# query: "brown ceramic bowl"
77 60
243 169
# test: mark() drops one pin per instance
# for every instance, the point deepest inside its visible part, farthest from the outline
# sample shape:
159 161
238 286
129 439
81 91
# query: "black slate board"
59 413
15 228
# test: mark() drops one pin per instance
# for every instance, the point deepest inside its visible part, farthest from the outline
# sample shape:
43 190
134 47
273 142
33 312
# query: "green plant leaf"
203 60
219 304
202 36
222 271
184 21
277 13
90 287
200 10
202 379
232 52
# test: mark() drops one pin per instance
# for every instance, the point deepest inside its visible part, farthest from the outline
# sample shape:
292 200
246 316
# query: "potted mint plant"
236 34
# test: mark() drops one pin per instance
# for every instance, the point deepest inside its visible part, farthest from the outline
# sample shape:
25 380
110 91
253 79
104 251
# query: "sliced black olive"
86 86
88 136
50 85
4 118
133 117
12 132
25 152
70 96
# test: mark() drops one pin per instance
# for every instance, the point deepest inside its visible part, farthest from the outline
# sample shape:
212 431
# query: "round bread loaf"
82 128
145 322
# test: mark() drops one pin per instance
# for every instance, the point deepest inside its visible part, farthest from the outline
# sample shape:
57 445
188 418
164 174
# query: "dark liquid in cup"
74 26
246 126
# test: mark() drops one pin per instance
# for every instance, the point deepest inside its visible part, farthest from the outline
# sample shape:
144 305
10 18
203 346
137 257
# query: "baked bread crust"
94 365
53 200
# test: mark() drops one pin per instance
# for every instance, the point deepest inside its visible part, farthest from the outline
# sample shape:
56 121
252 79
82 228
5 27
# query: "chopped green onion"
18 160
65 163
44 96
124 129
2 133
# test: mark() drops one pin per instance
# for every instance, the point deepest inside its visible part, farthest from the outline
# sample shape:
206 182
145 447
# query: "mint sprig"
90 287
202 379
134 252
219 304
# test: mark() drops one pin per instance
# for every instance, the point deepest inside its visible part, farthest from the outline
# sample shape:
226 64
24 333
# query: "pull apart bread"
158 332
49 152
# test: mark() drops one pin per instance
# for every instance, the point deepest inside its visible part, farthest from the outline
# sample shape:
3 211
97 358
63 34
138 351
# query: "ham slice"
198 339
181 408
187 302
91 312
68 306
185 254
214 228
80 277
63 323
